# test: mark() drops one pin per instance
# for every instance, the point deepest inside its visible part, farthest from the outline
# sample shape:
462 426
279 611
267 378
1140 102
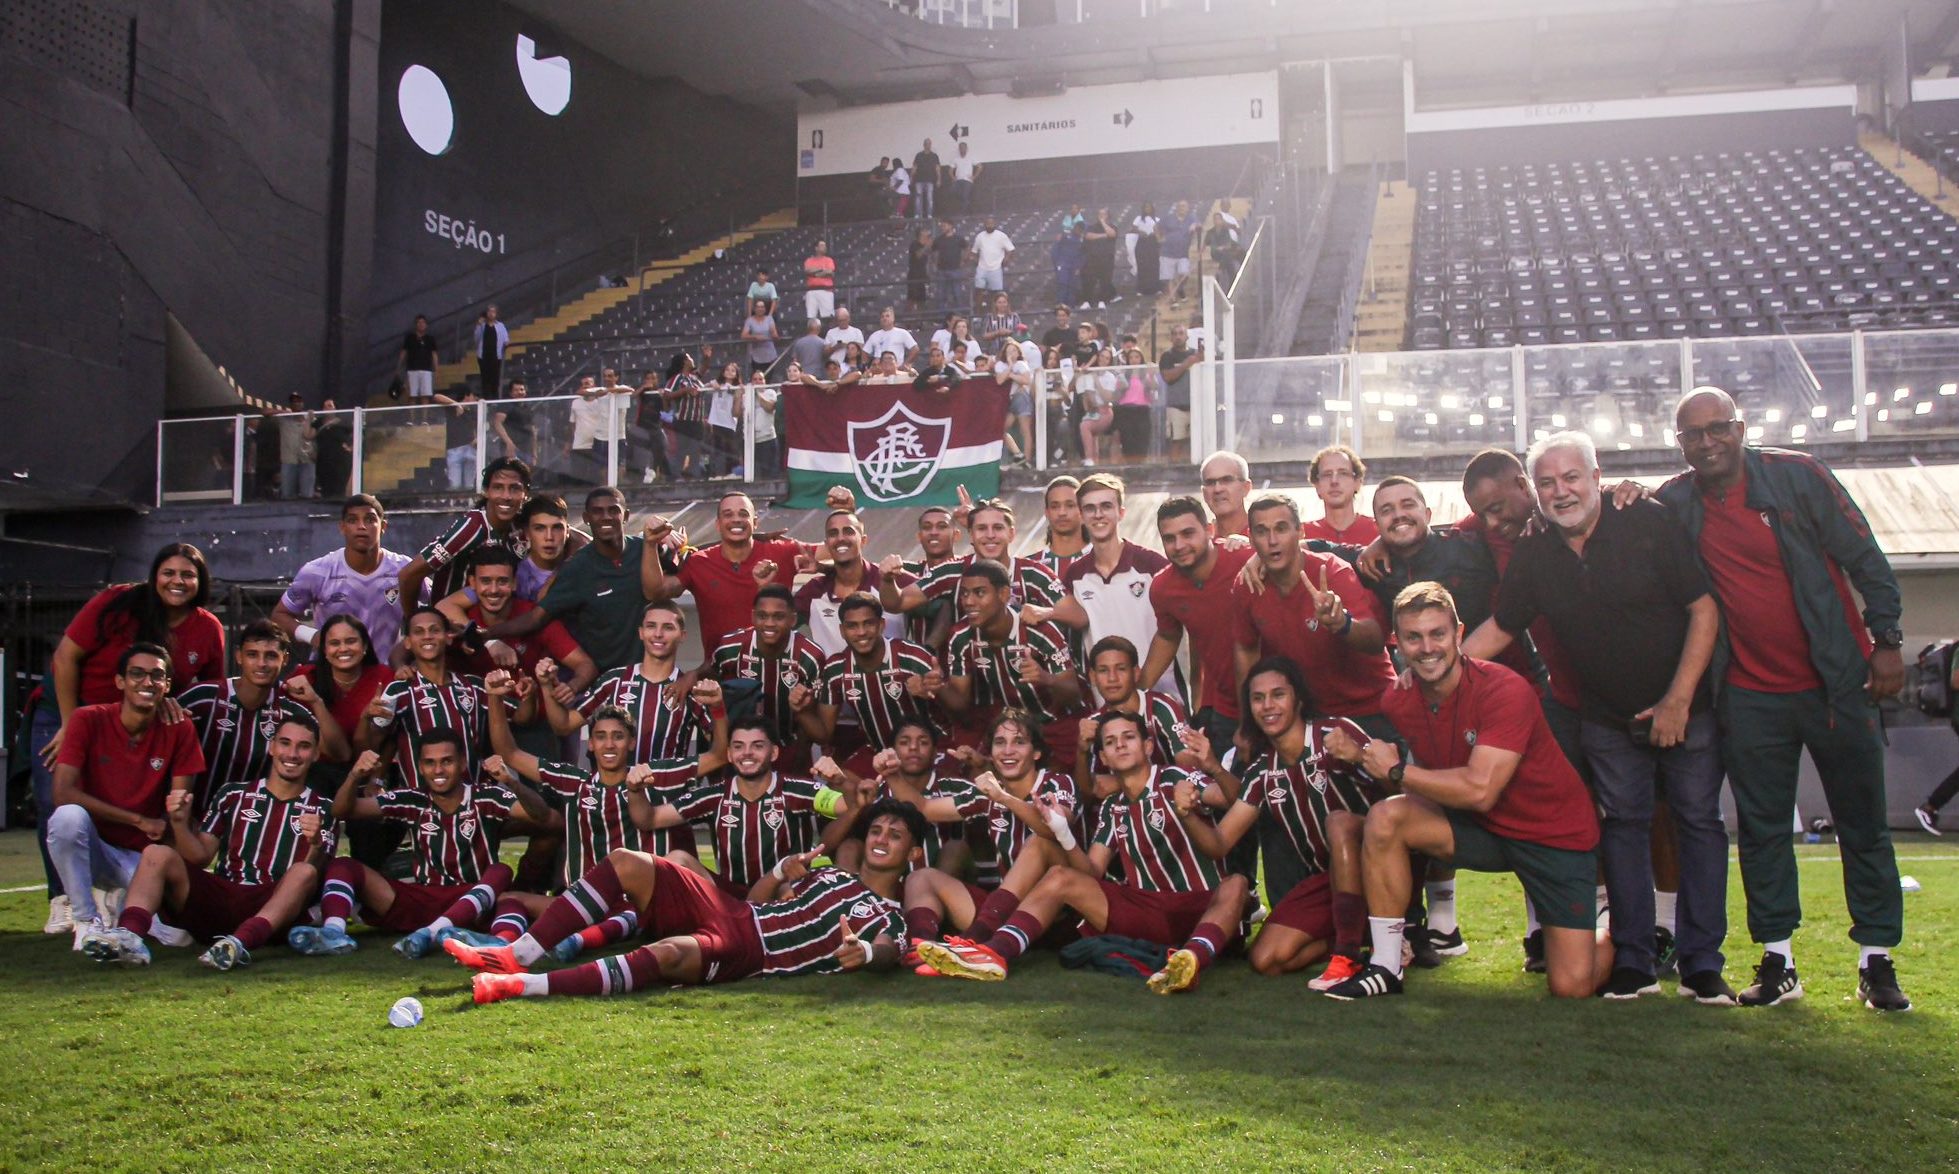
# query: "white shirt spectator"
963 167
900 179
897 340
991 248
764 422
838 339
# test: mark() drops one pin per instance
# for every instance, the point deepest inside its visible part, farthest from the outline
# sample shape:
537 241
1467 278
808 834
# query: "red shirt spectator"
132 773
196 647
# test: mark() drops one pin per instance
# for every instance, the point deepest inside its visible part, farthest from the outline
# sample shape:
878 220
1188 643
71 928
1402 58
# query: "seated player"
265 842
431 698
456 826
1173 894
1024 803
796 920
995 661
1113 668
868 688
1494 794
771 670
1317 801
908 772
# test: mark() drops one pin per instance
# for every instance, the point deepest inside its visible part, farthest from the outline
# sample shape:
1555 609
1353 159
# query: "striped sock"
993 913
136 919
587 901
923 922
1207 941
511 920
470 908
254 933
1016 936
337 899
607 976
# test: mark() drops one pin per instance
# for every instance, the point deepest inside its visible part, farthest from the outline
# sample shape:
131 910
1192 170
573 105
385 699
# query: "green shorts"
1560 882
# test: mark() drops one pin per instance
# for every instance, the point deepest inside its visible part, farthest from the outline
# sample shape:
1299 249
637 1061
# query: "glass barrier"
197 460
418 449
1430 403
1622 393
1911 382
1113 415
1790 390
1285 409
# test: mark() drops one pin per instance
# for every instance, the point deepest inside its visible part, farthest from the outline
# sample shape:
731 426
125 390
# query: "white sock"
438 925
1441 905
1782 948
1387 933
1531 924
1869 952
339 923
1663 903
527 950
536 986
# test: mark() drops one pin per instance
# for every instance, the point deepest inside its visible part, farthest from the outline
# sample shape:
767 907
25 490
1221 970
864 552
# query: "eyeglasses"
1712 430
1219 482
140 676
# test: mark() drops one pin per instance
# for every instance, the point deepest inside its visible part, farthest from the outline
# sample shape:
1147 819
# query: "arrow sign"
1124 119
959 132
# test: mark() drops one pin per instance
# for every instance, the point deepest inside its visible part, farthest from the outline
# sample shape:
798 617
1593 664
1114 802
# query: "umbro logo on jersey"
225 723
430 828
250 814
1277 794
999 823
731 819
589 802
156 764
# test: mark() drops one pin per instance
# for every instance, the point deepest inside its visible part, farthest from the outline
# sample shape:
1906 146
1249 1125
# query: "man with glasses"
1109 588
1796 669
1227 483
1337 475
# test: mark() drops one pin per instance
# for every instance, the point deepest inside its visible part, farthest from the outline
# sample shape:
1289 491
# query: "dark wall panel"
1940 115
1632 138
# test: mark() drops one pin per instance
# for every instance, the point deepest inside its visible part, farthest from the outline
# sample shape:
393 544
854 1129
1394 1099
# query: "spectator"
1095 404
296 451
880 182
333 447
724 420
763 290
419 356
1099 261
1134 407
459 438
841 335
889 370
682 392
855 360
1001 324
990 251
650 429
965 173
809 351
761 418
511 425
942 337
924 180
585 464
1068 258
1058 337
761 335
949 258
709 361
900 189
262 441
1146 251
1174 366
1075 218
962 349
1173 263
819 282
938 374
916 263
492 337
834 377
1013 370
1222 239
889 336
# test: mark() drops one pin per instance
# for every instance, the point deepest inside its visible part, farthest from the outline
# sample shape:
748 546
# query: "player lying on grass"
265 843
1024 805
1174 894
455 826
796 920
1316 800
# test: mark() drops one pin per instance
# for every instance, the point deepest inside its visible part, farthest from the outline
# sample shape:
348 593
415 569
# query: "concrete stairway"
1381 318
1921 176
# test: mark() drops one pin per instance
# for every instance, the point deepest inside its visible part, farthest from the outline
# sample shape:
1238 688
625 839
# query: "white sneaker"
169 935
94 927
61 918
109 902
1101 305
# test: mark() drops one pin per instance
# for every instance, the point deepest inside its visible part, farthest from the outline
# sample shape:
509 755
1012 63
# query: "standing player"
931 623
1337 475
1193 595
265 842
670 723
795 921
1172 893
362 578
1227 483
493 577
991 525
236 718
1064 541
437 571
1493 793
768 669
1108 590
996 661
818 599
724 578
867 689
599 591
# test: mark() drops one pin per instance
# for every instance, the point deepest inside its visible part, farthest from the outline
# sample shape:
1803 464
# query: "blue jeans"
462 466
85 859
952 289
43 726
921 199
1626 773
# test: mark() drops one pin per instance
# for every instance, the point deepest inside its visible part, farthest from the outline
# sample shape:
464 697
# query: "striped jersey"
665 729
1147 837
258 832
449 554
918 621
597 817
801 932
1164 715
876 698
1298 797
995 668
750 835
1032 582
237 742
451 847
966 800
740 658
1057 564
1006 829
421 707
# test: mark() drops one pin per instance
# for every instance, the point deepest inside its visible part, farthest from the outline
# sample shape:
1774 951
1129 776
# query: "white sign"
1089 120
1621 110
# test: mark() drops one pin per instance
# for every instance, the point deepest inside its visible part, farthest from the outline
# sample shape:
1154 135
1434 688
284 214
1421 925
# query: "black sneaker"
1627 983
1534 952
1775 982
1665 957
1707 988
1449 945
1371 982
1877 985
1421 948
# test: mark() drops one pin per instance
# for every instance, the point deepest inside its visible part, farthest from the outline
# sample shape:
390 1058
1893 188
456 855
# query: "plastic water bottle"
407 1012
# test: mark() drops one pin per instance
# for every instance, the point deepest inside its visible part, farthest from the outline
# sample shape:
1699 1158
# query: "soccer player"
1172 893
818 599
1193 596
760 817
362 579
995 661
493 575
437 571
796 921
724 578
991 526
908 772
673 722
1108 589
265 842
457 823
1064 541
1493 793
1112 670
771 671
1317 800
406 712
930 624
117 760
599 591
236 718
867 689
1227 482
1337 475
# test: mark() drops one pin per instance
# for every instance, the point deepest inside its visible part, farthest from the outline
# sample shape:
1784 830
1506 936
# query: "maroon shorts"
415 906
1164 918
687 903
1308 908
215 906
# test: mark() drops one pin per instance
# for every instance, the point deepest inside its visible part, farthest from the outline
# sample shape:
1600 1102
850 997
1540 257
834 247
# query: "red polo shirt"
196 648
724 591
132 773
1181 606
1362 532
551 640
1345 682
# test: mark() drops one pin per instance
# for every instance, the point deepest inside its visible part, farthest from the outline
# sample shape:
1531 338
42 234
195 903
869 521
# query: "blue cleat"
317 941
226 953
470 937
415 945
568 949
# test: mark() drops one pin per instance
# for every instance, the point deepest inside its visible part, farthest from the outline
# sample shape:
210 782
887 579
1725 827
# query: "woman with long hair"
1011 370
345 669
681 391
724 401
854 358
964 349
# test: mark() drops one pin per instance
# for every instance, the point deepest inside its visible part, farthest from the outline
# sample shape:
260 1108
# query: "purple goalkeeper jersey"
326 587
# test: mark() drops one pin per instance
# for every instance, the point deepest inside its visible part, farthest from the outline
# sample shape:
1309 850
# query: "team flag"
892 445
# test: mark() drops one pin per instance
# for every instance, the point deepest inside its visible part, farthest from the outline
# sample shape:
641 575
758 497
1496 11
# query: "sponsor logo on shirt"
1137 588
225 723
730 819
156 764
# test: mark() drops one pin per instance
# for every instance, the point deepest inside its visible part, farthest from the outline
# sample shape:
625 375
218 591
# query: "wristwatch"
1396 771
1888 638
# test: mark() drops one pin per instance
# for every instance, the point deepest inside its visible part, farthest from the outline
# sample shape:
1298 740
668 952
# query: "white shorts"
1176 424
990 279
1170 268
420 384
819 303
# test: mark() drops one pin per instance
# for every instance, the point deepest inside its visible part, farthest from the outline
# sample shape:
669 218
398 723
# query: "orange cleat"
496 959
959 958
495 988
1339 969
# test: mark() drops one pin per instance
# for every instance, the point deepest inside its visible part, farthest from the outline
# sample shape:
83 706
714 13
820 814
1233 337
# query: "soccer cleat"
320 941
1707 988
1928 818
1448 945
109 902
1534 952
468 937
568 949
1666 958
959 958
94 927
1775 982
498 959
1339 969
1627 983
226 953
169 935
1371 982
1877 985
61 916
119 946
1179 973
495 988
414 945
1418 949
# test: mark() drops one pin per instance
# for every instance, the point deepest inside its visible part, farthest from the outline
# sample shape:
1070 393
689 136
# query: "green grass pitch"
290 1064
